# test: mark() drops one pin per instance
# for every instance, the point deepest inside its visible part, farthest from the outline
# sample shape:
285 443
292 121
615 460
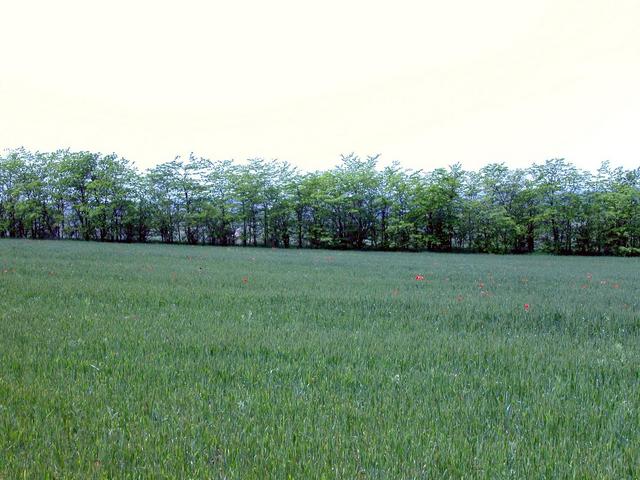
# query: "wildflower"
526 307
419 277
245 279
616 285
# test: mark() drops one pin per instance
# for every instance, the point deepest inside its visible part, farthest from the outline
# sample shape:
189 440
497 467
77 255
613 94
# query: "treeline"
550 207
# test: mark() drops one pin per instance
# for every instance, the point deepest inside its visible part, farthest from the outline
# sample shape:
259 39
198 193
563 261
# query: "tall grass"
174 361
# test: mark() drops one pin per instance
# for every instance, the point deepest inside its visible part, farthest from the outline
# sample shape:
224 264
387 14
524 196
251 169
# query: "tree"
551 206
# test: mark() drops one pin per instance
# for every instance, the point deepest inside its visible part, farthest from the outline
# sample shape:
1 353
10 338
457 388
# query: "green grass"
162 362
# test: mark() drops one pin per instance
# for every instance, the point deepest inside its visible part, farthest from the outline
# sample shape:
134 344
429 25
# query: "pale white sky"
428 83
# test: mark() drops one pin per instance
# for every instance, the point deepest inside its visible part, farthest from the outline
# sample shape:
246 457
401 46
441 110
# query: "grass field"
197 362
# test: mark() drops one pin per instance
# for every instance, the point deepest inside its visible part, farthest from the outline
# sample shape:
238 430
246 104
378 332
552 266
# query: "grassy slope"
151 360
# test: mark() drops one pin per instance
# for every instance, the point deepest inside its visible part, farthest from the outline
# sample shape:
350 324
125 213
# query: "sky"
426 83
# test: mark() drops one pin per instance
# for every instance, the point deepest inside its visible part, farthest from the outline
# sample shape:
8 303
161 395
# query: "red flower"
245 279
526 307
419 277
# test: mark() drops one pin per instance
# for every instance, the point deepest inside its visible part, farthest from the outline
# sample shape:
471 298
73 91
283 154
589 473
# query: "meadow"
160 361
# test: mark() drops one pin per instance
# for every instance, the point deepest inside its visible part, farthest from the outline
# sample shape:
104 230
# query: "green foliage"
157 361
552 207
